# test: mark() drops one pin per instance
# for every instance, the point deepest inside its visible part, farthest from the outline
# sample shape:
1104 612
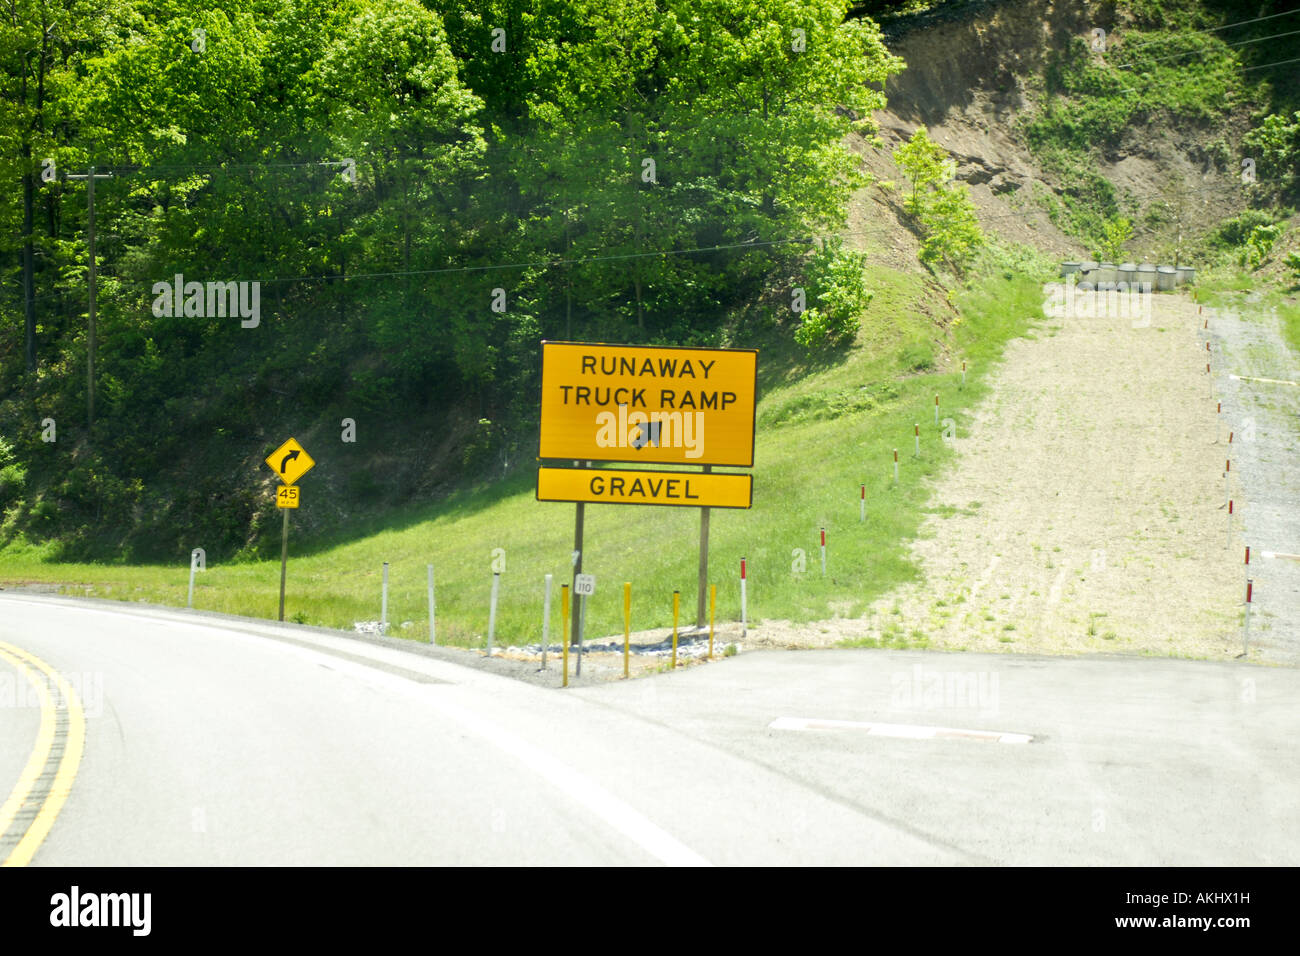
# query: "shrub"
836 284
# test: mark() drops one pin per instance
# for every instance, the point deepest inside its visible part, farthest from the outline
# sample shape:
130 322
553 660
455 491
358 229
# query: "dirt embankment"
975 74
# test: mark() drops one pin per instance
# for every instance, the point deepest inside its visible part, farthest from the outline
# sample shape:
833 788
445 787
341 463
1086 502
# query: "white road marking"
622 817
910 731
1281 554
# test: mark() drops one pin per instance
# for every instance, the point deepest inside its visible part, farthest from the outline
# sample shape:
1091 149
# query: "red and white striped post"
823 551
1229 544
917 434
862 504
743 607
1245 636
1247 562
895 466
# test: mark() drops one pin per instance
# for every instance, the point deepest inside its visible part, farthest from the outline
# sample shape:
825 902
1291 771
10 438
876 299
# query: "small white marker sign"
584 584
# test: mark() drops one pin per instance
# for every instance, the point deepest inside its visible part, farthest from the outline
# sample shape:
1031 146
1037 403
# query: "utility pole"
90 177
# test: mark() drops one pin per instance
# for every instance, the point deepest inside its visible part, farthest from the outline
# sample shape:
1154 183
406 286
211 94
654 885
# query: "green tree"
944 211
1116 233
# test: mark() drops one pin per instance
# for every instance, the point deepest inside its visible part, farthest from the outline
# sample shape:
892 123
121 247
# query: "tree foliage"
632 172
943 209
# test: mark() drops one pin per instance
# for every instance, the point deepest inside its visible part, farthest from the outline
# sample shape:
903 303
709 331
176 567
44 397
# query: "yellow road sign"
290 461
287 496
634 403
628 487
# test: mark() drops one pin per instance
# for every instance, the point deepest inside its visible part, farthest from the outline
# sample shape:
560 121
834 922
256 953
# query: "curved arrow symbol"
288 458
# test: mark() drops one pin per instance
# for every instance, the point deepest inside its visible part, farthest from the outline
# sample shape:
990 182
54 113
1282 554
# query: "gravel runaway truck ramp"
1085 510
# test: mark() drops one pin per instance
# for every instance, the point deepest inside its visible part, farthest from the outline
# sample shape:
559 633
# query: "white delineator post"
1247 562
1229 541
743 617
862 505
198 560
963 374
429 568
492 610
916 432
1227 467
1245 636
823 551
383 603
1218 418
895 466
936 409
546 621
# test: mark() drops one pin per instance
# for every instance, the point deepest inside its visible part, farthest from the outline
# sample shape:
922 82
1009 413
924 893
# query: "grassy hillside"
824 429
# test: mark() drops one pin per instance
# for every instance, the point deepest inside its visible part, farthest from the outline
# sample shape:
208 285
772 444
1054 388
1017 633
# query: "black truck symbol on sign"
647 434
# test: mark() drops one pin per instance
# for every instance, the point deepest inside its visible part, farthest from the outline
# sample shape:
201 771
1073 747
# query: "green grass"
1224 288
824 429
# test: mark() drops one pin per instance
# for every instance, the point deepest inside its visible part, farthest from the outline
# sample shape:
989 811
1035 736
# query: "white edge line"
621 816
909 731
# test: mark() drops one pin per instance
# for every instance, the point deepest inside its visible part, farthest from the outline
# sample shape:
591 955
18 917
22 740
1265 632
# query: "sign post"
704 562
290 462
284 558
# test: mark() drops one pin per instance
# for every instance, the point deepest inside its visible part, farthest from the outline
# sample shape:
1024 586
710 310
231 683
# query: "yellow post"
627 621
677 601
713 603
564 632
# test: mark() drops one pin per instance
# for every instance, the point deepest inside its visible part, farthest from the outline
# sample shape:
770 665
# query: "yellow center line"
74 743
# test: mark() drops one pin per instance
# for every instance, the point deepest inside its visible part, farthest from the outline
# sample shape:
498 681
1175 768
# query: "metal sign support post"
284 558
577 569
704 562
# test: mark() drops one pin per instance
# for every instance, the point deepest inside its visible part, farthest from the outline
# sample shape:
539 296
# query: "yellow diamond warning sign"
636 403
290 461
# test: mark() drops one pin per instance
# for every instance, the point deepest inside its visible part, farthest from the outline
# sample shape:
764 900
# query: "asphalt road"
216 742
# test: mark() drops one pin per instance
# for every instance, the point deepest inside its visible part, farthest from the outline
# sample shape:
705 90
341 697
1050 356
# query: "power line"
1263 66
1226 26
620 257
1175 56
